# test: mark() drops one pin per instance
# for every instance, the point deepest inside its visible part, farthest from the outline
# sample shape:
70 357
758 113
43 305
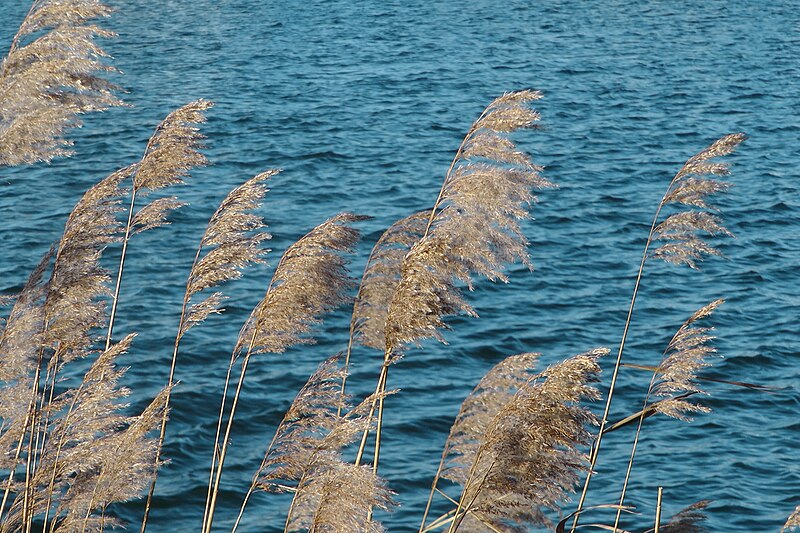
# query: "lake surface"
363 104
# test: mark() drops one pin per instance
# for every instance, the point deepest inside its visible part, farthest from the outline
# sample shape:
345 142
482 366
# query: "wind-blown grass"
71 448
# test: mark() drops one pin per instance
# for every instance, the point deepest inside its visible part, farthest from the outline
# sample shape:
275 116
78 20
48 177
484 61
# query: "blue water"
363 105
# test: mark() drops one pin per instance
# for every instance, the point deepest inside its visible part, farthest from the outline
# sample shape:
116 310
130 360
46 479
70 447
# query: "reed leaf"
52 75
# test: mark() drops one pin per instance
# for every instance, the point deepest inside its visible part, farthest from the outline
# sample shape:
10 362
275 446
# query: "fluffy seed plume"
691 187
50 77
72 308
689 520
305 457
174 148
233 241
381 276
473 228
685 355
20 343
123 466
793 522
310 279
529 457
171 152
313 414
495 390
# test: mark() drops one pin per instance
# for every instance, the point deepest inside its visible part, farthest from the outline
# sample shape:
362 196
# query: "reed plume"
304 457
675 379
172 151
689 520
381 276
378 283
473 229
683 232
494 390
311 278
793 521
20 341
517 454
74 305
52 75
231 242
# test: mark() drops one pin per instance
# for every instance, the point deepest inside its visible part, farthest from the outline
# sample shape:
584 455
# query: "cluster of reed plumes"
523 439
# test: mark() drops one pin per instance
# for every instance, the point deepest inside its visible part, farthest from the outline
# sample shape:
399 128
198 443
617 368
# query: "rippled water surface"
363 104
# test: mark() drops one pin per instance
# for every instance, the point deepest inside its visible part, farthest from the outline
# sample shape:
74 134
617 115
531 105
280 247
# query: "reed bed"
522 441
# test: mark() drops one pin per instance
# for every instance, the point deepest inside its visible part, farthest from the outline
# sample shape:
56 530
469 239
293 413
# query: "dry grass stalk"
381 276
50 77
311 279
674 380
522 456
473 227
73 306
689 187
172 151
94 454
232 241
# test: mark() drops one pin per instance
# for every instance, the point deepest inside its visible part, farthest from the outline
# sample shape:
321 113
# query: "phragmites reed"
304 457
473 229
684 244
675 379
171 152
52 75
793 522
231 242
522 456
378 283
494 391
689 520
311 279
381 276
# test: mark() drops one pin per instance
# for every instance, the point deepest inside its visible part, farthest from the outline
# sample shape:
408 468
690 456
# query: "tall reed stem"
618 362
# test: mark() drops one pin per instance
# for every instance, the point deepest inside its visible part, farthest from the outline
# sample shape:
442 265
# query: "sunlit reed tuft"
51 76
